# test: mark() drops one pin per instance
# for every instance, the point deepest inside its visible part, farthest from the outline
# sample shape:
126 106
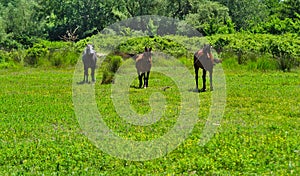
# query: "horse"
89 59
143 63
203 59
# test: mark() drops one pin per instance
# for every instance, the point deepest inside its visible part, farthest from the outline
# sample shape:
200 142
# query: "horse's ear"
150 49
146 49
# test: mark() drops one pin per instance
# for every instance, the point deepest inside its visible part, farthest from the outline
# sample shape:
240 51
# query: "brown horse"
89 59
143 66
204 59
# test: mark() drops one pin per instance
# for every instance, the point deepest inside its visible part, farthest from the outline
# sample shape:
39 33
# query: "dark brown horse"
143 66
89 59
204 59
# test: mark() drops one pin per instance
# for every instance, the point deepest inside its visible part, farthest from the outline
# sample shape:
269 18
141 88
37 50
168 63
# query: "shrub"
284 49
4 56
35 53
48 53
63 57
110 67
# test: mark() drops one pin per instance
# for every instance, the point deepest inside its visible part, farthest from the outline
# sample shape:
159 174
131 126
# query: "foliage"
249 47
34 54
290 9
285 52
23 22
211 18
246 47
46 53
157 43
278 26
20 24
245 13
110 67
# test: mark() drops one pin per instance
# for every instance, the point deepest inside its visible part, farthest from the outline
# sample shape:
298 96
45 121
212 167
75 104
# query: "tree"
272 6
89 16
177 9
19 23
283 18
290 9
246 13
210 18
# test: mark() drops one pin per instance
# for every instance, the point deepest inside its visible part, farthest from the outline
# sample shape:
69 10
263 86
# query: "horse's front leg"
211 81
196 78
85 78
93 74
203 81
146 78
140 79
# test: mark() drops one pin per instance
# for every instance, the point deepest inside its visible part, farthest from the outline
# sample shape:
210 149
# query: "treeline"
23 22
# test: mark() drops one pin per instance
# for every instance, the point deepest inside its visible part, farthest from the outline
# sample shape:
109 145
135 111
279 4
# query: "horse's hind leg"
203 81
196 77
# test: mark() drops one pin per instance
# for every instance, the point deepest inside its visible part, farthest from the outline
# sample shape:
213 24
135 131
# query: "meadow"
258 135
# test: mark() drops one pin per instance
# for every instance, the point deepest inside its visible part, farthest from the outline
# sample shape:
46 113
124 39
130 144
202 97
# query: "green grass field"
258 135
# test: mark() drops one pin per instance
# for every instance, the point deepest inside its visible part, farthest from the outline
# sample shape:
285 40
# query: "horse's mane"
206 48
89 49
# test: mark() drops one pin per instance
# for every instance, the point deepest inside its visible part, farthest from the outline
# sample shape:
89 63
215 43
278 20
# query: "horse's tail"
100 55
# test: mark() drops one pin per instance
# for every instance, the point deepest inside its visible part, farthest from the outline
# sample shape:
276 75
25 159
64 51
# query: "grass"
258 134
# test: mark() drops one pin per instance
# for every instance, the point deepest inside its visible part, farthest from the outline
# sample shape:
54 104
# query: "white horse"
89 59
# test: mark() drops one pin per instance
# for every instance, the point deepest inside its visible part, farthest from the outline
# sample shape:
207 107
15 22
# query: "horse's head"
147 52
89 48
207 48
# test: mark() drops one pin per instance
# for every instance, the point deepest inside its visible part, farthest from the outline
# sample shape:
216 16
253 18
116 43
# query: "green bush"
46 53
4 56
34 54
110 67
284 49
63 57
134 45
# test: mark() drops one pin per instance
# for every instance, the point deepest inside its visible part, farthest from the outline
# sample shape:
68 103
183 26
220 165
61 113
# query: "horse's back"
202 61
143 64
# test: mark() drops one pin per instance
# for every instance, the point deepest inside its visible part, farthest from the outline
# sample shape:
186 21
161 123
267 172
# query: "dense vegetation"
22 22
53 33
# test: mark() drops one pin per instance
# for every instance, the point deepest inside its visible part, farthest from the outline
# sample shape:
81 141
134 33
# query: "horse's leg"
196 77
211 82
143 78
87 75
85 79
140 79
203 81
93 74
146 78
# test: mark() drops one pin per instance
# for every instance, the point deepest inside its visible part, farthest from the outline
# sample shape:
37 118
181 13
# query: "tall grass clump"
263 63
110 67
